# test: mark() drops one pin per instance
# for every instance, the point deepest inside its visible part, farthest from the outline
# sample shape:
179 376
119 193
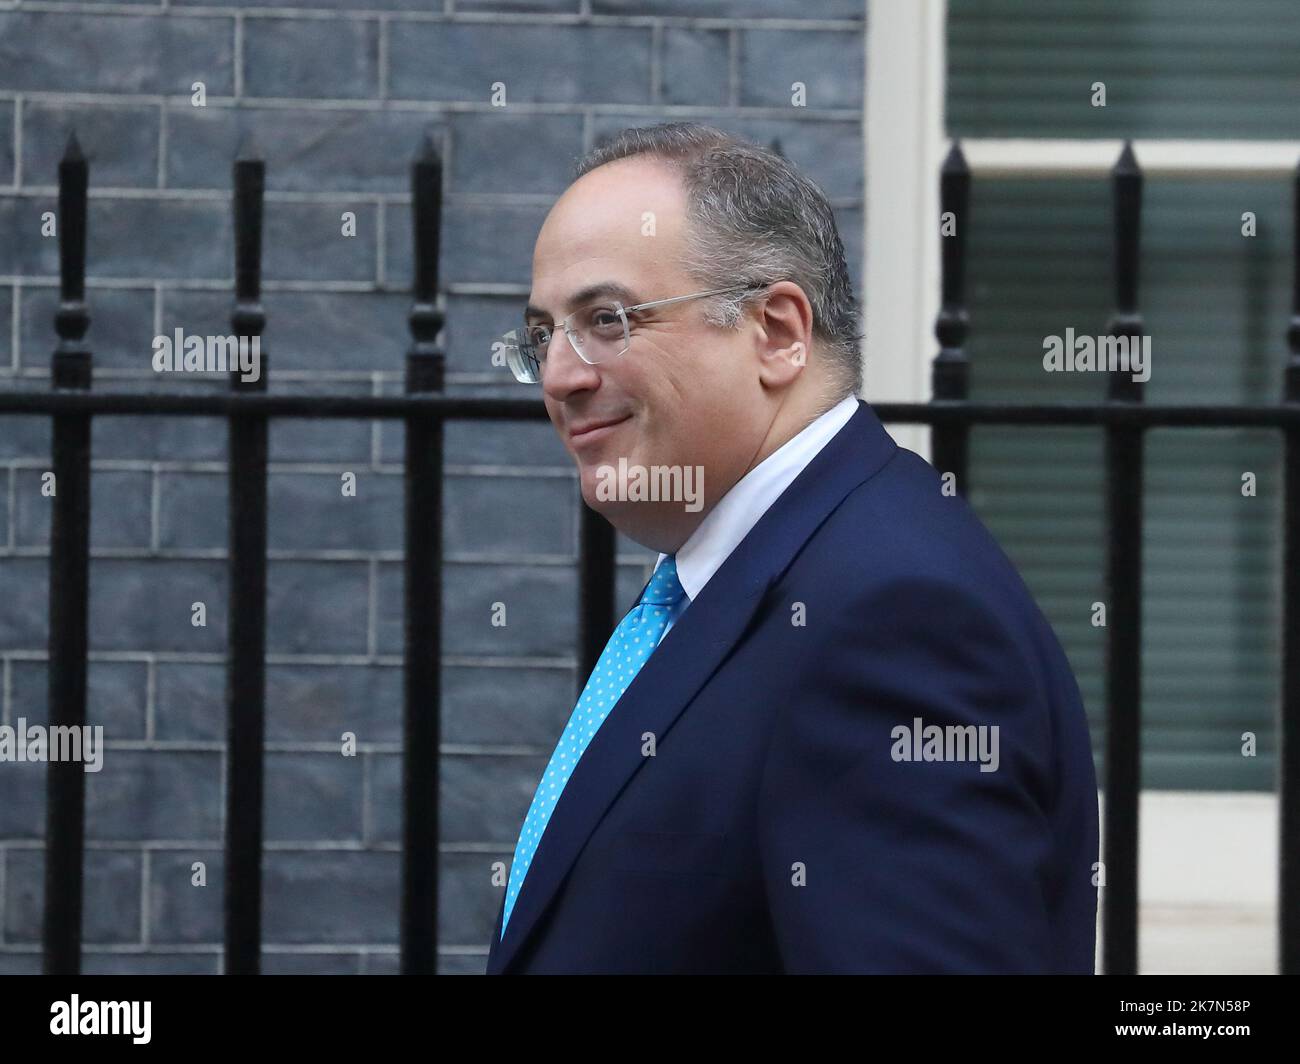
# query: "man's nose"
563 372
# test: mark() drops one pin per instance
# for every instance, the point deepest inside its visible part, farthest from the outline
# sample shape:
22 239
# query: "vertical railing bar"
65 814
422 650
1124 459
1288 732
246 650
950 371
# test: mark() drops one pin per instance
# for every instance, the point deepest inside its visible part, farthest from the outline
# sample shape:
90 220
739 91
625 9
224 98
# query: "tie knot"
664 588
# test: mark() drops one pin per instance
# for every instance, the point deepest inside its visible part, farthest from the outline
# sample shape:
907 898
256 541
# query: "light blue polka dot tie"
627 650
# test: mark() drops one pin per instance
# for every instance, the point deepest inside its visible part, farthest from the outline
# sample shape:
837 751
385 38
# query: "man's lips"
591 429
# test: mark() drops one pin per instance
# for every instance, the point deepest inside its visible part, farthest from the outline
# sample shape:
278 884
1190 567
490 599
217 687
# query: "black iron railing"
248 407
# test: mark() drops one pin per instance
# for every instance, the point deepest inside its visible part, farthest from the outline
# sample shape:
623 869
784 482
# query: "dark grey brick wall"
337 94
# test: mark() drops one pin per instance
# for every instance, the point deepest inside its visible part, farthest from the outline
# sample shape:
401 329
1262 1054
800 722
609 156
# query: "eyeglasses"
597 333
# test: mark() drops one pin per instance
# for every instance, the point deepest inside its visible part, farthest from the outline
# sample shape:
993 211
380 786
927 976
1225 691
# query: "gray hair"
753 218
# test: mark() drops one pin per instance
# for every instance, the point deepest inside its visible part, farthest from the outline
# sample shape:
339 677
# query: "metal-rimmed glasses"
597 332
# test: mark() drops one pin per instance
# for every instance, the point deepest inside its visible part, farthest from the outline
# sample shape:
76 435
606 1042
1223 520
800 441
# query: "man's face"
684 394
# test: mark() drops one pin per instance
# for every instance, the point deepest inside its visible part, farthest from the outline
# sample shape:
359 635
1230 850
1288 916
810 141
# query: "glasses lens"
600 332
521 355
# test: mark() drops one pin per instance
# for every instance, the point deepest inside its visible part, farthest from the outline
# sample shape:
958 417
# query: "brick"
482 798
181 913
829 151
8 175
330 897
737 9
55 51
154 794
275 962
305 242
162 439
473 330
462 964
468 904
192 510
558 7
111 899
324 331
480 243
501 152
119 140
538 63
145 963
522 444
317 607
24 603
318 703
541 609
316 150
324 439
120 335
314 5
22 798
492 704
154 239
308 511
505 515
344 58
116 694
10 299
189 701
829 64
14 963
139 604
695 67
120 509
313 797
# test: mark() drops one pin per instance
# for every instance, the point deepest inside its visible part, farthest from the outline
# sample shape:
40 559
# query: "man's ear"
780 367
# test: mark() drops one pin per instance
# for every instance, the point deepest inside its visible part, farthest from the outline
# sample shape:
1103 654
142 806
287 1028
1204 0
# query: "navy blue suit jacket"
773 830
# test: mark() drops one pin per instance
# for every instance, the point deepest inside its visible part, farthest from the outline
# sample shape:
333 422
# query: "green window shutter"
1172 68
1216 306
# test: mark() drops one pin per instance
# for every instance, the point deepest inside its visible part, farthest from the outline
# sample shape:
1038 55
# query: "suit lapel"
690 653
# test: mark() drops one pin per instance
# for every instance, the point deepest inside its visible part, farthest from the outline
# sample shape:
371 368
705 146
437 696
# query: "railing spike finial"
425 362
72 147
955 161
247 318
950 370
248 149
71 365
1127 163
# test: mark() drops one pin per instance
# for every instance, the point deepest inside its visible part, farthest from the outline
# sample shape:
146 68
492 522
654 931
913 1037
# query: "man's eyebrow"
600 290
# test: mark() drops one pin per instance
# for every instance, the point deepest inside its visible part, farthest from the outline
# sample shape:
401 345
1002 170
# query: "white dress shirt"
739 510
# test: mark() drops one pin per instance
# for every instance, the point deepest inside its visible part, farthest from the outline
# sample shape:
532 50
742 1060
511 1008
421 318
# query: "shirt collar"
750 497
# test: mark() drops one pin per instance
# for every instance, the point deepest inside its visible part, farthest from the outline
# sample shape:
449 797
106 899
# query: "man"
835 734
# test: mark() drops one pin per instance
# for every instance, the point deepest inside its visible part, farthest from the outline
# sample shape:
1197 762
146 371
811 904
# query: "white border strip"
1165 158
904 144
